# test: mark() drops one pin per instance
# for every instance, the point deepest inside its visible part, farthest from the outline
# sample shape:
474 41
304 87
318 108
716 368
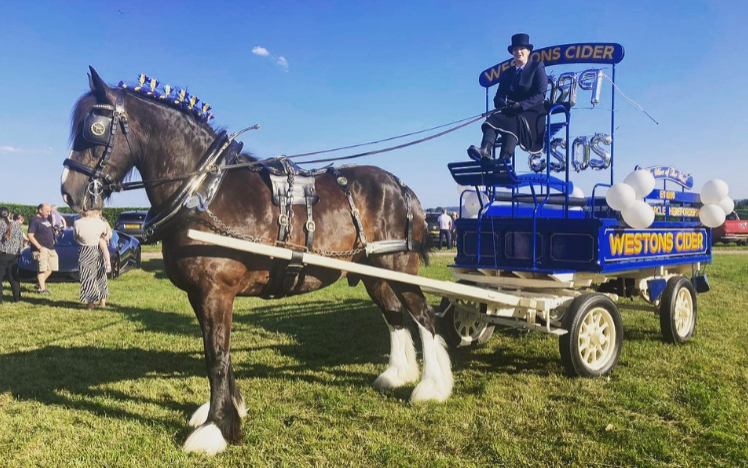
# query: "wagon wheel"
595 332
678 310
461 325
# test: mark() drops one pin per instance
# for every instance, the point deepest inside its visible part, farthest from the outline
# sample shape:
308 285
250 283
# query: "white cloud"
261 51
283 63
278 60
10 149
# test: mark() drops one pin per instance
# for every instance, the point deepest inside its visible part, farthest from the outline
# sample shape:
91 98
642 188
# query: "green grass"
114 387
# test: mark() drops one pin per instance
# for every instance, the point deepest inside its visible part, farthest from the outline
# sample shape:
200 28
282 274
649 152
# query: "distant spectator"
20 219
453 230
57 220
42 239
90 230
445 225
11 244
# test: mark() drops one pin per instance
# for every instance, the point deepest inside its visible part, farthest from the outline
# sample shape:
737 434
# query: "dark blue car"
124 250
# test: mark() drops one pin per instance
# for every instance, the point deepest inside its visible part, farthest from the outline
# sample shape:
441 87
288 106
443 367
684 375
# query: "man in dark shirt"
42 239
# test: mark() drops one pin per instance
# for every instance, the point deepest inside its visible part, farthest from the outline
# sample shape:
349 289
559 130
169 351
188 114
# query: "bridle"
100 128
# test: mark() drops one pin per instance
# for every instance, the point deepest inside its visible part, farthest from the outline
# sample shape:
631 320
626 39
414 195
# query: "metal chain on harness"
261 240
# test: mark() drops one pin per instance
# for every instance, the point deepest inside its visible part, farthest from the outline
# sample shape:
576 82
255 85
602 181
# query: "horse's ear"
98 87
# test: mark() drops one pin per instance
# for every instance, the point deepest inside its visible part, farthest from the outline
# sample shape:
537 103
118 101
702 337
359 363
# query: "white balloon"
642 181
712 215
639 216
471 205
620 196
462 188
713 191
727 204
577 193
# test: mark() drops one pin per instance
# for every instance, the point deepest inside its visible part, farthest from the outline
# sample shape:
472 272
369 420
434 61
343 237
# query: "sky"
326 74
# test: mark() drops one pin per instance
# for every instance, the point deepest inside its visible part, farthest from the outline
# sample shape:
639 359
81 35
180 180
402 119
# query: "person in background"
89 231
453 230
104 244
42 239
520 101
11 245
57 220
20 219
445 225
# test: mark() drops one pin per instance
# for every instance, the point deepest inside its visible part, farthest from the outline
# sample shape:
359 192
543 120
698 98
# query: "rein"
215 169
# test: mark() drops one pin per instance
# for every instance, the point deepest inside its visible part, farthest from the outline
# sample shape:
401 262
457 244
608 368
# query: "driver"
520 98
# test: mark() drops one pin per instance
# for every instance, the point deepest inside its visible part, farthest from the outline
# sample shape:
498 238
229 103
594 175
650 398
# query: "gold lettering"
598 52
608 53
570 52
586 51
616 244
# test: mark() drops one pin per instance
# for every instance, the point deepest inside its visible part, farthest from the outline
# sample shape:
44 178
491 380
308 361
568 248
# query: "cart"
537 257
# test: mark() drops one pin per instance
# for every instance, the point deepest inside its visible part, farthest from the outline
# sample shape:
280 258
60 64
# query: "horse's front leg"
219 420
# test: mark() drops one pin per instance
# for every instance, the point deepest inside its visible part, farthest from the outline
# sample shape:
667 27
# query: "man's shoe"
485 151
45 291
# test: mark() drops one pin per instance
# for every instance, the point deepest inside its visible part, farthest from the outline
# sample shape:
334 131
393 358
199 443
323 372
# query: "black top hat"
520 40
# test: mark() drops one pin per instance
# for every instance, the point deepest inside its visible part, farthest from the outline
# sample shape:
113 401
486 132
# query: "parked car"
732 230
124 251
131 223
432 227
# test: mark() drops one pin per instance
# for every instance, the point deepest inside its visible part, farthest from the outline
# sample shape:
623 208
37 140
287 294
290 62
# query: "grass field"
114 387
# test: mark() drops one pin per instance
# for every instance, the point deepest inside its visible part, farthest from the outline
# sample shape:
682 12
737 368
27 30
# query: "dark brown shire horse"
115 130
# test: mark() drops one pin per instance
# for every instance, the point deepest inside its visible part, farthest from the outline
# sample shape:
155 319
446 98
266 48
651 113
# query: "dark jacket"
529 92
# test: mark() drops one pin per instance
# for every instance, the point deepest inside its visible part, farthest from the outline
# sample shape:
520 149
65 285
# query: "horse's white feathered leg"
200 416
403 367
437 381
205 439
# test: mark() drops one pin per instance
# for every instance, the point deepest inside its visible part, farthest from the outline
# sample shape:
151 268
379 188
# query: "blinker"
96 128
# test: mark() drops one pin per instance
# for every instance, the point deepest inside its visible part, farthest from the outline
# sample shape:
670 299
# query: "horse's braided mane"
177 98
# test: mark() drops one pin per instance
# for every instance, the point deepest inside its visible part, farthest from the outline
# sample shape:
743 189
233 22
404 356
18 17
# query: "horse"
116 130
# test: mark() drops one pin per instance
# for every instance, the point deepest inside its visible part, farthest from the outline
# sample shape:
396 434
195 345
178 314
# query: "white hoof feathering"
437 381
200 416
205 439
239 405
403 367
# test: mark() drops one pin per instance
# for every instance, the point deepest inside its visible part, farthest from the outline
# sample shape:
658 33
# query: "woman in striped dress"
89 229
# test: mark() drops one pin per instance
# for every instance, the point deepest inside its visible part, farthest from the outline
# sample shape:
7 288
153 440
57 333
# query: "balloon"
536 161
642 181
727 205
603 162
620 196
580 143
471 205
712 215
462 188
639 216
577 193
559 156
592 79
713 191
565 89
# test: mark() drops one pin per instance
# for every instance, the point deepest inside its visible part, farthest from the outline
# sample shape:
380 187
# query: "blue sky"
337 73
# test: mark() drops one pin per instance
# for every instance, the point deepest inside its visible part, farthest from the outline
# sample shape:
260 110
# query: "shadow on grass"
68 377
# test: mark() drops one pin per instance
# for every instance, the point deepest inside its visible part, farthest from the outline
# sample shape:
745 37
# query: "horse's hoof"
396 378
205 439
200 416
431 390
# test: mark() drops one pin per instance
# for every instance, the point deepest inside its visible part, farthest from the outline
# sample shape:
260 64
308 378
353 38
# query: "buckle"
310 226
283 220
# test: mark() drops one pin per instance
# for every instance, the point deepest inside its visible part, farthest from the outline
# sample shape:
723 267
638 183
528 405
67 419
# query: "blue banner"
631 244
670 173
603 53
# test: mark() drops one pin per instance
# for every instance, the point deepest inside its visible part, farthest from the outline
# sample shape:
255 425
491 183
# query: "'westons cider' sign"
633 244
608 53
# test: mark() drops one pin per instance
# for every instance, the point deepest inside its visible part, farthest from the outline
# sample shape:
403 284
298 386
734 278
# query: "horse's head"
115 130
103 147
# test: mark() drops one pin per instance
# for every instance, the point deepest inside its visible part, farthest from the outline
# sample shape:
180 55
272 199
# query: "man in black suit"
520 98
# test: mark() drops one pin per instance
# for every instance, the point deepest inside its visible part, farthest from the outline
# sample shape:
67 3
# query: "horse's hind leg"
403 367
437 381
222 423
